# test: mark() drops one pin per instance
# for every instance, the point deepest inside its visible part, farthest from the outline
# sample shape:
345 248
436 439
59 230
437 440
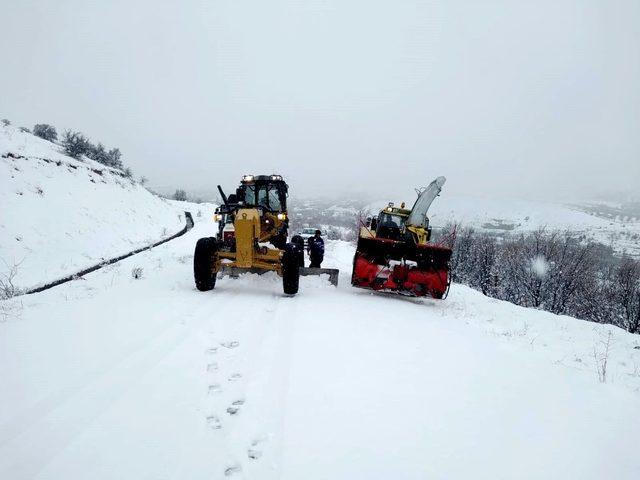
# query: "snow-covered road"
115 378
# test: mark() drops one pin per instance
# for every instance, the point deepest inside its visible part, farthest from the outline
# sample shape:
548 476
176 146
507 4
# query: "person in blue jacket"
315 246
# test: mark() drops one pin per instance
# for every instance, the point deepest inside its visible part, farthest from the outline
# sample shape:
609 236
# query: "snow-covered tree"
180 195
45 131
75 144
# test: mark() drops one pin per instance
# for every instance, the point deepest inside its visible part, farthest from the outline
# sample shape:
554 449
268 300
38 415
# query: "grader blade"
332 272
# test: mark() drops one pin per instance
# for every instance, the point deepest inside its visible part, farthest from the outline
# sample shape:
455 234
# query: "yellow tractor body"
252 235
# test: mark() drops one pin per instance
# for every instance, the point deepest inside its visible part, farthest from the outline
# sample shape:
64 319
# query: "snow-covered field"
60 215
110 377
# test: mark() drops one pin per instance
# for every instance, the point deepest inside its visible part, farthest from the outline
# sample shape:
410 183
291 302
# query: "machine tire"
204 261
290 270
353 271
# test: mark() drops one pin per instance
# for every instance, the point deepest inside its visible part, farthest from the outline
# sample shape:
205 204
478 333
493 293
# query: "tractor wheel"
204 263
290 270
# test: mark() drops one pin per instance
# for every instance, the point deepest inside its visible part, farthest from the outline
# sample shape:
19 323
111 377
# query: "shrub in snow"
114 158
7 287
128 172
601 356
25 130
110 158
6 122
45 131
98 154
136 272
75 144
180 195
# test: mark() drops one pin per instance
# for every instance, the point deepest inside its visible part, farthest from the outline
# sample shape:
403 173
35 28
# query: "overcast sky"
529 98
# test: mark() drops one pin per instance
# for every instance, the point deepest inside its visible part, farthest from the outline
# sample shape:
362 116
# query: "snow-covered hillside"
516 216
60 215
113 377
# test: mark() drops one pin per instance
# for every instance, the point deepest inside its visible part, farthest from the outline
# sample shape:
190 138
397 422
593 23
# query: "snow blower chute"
394 253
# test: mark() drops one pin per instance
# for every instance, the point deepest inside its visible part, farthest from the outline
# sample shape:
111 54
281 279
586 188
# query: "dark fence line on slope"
81 273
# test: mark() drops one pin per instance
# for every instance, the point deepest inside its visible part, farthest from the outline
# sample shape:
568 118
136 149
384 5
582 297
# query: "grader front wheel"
290 269
204 263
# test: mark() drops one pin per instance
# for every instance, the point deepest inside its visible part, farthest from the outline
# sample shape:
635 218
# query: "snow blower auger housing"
394 253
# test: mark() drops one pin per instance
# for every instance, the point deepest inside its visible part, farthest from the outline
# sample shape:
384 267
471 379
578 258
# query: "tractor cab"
268 192
390 223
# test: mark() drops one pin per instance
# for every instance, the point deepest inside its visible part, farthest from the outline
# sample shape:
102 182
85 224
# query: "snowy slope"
163 381
60 215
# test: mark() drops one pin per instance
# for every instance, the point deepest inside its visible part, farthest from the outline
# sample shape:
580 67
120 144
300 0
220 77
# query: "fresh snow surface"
109 377
60 215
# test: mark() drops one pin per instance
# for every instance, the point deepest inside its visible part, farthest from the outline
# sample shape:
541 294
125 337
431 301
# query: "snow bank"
60 215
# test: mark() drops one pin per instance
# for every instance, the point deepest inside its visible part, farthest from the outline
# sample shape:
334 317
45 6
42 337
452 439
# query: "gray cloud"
502 97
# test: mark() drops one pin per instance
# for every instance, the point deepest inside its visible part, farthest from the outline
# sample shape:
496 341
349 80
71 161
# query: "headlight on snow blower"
282 216
217 217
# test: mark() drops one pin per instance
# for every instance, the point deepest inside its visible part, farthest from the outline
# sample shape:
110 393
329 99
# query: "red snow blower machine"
394 252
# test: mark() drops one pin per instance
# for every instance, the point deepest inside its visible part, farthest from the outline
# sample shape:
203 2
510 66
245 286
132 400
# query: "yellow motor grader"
252 237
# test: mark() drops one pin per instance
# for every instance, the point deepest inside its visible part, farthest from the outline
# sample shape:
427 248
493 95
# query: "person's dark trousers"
316 262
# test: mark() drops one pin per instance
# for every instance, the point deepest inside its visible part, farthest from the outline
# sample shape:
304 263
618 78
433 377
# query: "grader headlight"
217 217
282 216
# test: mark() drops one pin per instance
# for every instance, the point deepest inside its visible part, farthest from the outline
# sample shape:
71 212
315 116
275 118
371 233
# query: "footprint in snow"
232 470
235 377
232 344
212 350
235 407
214 422
253 452
212 367
214 388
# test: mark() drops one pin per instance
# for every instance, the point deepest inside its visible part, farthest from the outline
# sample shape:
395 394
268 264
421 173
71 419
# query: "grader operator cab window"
265 195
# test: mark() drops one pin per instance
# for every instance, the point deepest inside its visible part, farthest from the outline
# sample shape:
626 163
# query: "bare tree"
627 294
